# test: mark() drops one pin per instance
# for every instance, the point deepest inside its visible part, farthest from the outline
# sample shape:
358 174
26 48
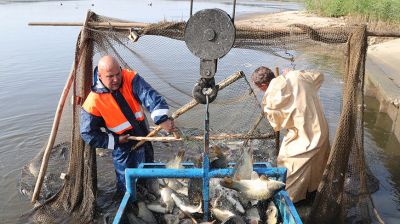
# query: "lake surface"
35 62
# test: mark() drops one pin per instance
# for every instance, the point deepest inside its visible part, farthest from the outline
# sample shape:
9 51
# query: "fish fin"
218 150
254 175
198 162
200 207
181 154
194 221
237 176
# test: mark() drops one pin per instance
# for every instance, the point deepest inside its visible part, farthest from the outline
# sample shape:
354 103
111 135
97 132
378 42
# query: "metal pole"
234 11
206 162
191 8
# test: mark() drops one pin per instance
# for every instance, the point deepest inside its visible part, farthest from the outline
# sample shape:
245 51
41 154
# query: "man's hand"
168 125
123 138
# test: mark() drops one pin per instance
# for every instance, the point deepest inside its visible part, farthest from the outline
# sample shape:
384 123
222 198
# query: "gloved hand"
203 83
123 138
168 125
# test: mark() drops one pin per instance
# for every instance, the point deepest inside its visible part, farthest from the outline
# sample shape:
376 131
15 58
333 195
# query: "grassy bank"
383 10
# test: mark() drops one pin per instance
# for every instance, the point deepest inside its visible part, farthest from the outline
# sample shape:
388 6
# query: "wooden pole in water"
128 25
224 83
200 138
92 24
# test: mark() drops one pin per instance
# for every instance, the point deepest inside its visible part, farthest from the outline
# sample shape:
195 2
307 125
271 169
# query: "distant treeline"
384 10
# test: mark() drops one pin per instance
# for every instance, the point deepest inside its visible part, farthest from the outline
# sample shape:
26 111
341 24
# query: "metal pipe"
159 172
206 182
163 173
206 128
122 207
289 213
206 161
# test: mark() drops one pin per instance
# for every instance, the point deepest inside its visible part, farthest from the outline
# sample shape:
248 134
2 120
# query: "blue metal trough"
286 209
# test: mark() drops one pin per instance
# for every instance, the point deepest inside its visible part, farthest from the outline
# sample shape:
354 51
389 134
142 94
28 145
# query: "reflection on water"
383 155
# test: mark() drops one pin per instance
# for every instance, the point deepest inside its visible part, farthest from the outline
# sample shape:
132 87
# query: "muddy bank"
383 79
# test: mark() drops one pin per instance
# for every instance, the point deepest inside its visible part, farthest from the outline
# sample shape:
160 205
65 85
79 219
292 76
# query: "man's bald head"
107 64
109 72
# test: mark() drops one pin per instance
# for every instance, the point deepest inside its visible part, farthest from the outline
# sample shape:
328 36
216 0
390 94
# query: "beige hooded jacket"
292 102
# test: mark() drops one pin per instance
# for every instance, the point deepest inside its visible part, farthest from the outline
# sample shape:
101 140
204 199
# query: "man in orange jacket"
113 111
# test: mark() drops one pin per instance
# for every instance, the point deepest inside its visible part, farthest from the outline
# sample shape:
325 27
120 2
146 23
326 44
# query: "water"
35 62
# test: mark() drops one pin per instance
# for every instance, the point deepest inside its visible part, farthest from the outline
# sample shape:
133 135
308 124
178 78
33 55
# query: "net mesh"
162 58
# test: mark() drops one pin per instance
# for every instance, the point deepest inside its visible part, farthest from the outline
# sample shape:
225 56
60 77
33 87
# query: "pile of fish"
244 198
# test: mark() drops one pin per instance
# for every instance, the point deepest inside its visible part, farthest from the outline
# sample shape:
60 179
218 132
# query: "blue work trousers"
124 157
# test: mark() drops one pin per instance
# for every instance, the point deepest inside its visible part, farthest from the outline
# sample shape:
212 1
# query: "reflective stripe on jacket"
104 105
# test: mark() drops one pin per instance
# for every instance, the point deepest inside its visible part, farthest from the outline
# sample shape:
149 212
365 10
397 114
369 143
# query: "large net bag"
235 115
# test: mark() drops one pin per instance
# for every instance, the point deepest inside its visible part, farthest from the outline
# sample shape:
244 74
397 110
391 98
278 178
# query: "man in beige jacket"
291 102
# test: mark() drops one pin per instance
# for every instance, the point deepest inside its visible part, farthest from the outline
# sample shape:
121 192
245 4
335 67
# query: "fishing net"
159 54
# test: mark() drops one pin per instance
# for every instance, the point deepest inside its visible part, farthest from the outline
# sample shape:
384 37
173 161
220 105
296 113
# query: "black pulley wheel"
210 34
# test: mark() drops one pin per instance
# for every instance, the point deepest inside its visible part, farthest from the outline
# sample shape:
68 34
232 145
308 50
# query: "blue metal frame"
157 170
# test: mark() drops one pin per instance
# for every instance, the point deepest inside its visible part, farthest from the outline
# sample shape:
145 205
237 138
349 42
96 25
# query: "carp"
221 214
262 188
167 199
252 215
145 214
217 157
244 168
271 213
175 184
185 206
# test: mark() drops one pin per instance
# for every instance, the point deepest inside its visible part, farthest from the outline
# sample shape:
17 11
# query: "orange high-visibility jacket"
104 105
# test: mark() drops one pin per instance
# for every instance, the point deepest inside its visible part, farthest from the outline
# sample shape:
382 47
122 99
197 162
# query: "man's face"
263 86
111 79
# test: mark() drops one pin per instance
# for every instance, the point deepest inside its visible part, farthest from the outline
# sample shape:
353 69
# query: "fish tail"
181 154
217 150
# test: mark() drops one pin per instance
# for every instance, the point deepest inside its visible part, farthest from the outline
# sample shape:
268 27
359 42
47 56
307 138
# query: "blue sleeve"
150 99
91 133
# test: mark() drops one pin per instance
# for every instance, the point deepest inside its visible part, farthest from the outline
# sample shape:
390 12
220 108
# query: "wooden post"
129 25
200 138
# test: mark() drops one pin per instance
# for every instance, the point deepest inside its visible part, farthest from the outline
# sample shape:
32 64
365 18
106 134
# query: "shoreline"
287 18
382 76
382 80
